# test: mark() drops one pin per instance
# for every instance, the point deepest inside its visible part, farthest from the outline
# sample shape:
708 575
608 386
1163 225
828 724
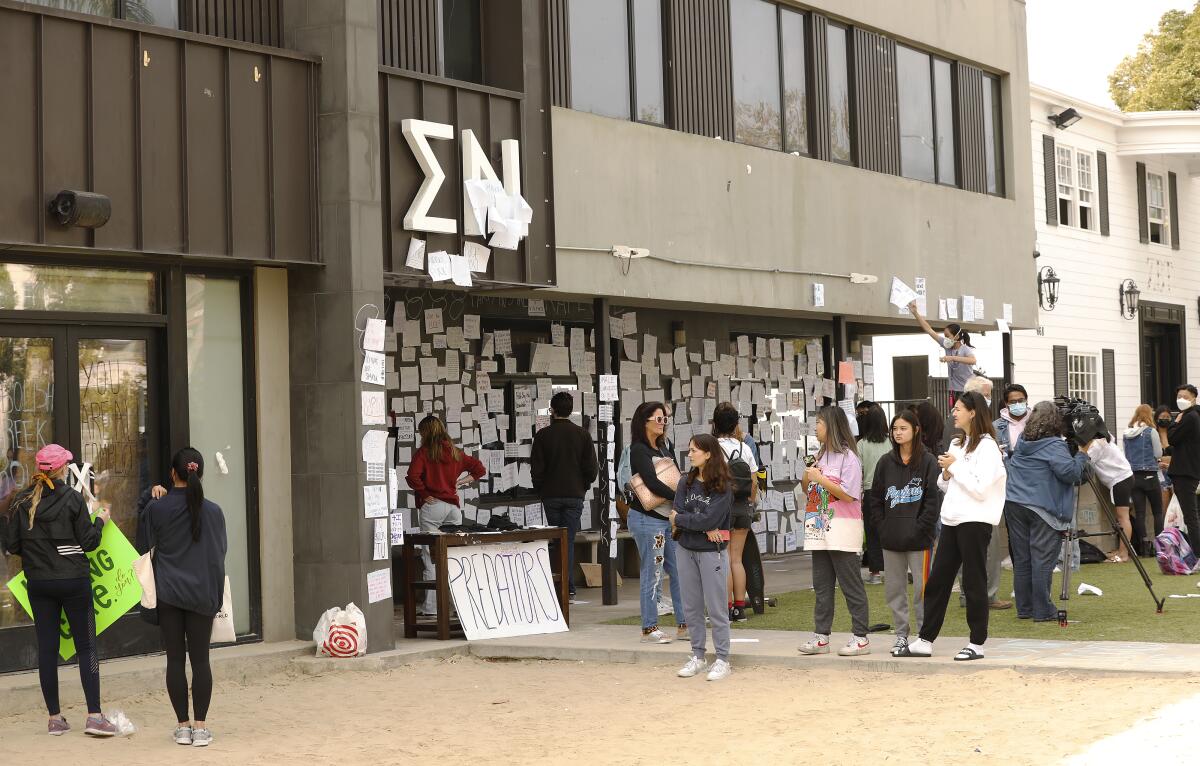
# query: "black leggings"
1185 493
1146 493
187 634
49 599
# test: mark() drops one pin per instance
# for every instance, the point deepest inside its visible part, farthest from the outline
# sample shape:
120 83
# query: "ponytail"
188 465
40 481
959 333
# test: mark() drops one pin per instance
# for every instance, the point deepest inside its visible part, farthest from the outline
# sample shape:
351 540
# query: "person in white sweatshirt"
1113 470
972 481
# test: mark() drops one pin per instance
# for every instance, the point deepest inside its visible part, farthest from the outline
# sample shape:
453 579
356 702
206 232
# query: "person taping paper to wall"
958 356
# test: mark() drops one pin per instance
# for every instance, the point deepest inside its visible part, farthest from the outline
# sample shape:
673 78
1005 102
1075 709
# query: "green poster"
115 588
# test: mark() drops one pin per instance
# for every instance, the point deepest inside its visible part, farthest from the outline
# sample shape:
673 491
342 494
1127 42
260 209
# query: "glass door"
95 390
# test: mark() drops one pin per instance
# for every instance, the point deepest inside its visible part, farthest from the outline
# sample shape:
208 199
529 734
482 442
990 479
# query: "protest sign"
504 589
115 589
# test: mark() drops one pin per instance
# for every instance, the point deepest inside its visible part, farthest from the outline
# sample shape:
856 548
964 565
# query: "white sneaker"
720 669
694 665
817 645
855 646
655 636
183 735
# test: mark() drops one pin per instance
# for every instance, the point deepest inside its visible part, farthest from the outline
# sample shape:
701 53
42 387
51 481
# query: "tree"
1164 74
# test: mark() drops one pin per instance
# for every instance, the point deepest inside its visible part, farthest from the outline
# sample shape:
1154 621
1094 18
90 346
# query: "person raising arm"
958 356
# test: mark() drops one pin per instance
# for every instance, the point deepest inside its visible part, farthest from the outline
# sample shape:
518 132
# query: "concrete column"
333 540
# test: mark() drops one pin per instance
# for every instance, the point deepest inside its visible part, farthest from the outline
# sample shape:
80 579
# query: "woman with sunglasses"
649 526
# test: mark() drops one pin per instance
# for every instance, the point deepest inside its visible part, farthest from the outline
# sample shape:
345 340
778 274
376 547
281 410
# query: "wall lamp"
1128 295
1066 118
1048 283
87 210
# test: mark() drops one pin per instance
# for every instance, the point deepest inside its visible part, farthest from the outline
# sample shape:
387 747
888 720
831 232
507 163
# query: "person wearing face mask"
998 546
1162 421
1184 434
1011 423
959 356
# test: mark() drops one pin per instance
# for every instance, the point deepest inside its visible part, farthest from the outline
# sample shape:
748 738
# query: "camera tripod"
1104 499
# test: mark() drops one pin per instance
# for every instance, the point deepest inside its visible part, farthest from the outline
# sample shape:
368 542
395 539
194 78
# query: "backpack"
743 477
1175 556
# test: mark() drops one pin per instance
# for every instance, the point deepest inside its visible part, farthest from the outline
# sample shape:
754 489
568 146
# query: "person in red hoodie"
436 475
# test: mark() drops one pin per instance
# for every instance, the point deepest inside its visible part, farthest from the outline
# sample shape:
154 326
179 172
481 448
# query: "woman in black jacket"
187 535
904 504
51 530
649 526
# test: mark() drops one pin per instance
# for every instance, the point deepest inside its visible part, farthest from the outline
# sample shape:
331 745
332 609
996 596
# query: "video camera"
1081 421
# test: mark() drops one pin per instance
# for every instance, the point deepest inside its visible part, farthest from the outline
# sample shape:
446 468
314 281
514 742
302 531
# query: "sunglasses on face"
660 418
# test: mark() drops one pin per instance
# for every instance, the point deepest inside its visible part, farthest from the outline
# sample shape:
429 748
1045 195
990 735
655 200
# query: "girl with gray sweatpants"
700 519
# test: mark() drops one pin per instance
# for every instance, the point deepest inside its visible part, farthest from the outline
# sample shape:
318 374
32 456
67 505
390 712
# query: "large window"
756 73
651 104
993 135
1064 171
1156 208
161 13
918 151
1083 165
462 46
943 105
1081 377
603 32
841 144
795 85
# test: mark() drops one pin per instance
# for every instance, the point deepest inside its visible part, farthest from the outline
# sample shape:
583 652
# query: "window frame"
630 14
1083 368
954 157
1163 222
848 30
806 22
1090 204
995 85
1065 190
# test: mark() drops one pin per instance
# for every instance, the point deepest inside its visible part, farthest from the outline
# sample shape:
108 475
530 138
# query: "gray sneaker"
183 735
201 737
99 726
58 726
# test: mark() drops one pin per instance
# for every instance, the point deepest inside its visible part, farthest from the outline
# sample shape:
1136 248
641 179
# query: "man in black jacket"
563 466
1184 437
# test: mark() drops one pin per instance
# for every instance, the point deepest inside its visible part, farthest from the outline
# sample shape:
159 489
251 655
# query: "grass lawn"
1124 613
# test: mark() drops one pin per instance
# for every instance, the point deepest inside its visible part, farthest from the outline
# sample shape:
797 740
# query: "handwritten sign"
115 589
504 589
374 408
373 335
374 368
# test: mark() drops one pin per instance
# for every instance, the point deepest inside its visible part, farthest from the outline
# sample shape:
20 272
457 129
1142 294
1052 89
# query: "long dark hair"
838 437
715 474
933 428
981 421
872 424
918 446
637 427
188 465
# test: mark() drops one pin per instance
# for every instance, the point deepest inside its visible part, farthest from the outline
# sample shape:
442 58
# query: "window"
161 13
756 74
1081 376
1065 173
599 57
1156 208
462 48
795 86
26 287
943 100
918 154
648 62
841 146
992 135
1083 164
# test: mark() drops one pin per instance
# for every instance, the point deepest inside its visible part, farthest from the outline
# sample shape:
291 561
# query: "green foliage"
1164 74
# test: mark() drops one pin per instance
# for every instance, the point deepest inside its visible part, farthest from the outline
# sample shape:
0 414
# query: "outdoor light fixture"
1066 118
1128 294
87 210
1048 283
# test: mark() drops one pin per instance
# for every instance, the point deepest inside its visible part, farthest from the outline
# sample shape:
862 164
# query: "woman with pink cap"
51 530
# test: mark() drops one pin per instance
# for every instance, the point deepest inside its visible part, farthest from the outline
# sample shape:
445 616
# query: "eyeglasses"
661 419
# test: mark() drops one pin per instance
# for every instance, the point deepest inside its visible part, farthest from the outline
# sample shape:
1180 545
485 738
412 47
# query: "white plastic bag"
124 726
1174 517
341 633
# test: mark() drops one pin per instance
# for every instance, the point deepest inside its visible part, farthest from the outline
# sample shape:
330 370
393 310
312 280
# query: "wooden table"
439 543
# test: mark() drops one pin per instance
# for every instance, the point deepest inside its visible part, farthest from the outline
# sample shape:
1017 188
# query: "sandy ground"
465 710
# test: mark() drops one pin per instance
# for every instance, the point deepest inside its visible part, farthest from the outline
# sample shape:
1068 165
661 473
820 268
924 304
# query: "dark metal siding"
1173 201
1050 170
175 131
1108 364
560 53
876 102
408 35
972 148
1102 182
699 67
1061 385
818 64
248 21
1143 212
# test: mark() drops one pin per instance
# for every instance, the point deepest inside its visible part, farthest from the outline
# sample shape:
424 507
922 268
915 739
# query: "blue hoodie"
1042 473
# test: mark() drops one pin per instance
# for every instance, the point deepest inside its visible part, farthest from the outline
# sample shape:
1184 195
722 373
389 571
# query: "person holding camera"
972 482
1184 436
1039 506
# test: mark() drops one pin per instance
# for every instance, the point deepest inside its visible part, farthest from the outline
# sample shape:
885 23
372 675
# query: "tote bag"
223 631
668 473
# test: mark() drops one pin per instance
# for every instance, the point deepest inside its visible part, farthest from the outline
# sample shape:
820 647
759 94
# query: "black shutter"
818 65
972 149
560 54
1102 182
876 102
1143 213
1060 370
1049 167
1108 360
1173 190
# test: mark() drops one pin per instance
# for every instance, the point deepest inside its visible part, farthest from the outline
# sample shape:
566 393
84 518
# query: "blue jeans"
564 512
1035 547
656 550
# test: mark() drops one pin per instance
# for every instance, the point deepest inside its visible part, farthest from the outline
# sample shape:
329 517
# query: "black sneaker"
738 614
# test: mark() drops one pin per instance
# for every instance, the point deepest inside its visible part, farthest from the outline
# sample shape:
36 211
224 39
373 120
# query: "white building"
1117 210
